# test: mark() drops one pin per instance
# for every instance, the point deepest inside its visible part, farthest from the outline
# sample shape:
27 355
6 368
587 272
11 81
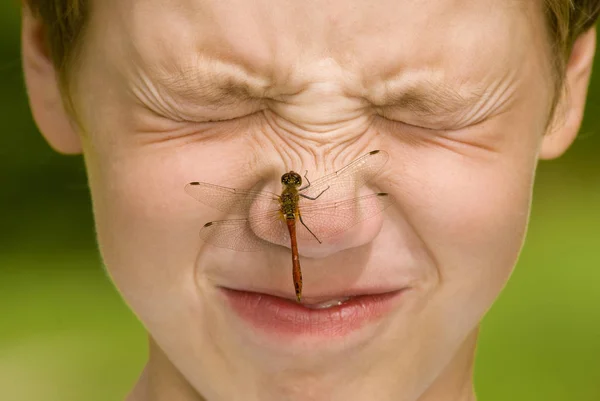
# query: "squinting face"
235 93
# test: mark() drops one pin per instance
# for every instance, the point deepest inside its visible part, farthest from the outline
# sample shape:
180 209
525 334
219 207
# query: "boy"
465 98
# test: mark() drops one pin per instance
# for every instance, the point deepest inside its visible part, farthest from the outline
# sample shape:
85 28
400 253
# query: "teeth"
328 304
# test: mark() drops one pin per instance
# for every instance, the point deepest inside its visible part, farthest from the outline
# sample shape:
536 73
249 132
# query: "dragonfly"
323 208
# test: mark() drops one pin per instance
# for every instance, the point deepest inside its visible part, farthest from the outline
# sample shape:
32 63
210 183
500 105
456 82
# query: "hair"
65 22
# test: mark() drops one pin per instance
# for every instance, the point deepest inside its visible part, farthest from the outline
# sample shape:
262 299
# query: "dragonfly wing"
261 230
271 226
346 181
233 234
329 219
231 200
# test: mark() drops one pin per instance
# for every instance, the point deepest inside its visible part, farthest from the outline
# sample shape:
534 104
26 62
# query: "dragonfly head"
291 179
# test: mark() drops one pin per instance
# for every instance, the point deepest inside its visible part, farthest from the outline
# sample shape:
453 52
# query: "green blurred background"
65 334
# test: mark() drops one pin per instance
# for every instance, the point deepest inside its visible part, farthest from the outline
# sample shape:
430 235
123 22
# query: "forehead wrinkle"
496 97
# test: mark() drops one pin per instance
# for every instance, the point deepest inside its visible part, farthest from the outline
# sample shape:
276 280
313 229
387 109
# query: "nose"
325 228
330 227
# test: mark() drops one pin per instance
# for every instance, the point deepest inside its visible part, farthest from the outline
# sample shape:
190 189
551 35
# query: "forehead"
277 41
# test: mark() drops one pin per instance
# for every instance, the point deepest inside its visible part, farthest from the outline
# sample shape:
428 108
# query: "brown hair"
65 22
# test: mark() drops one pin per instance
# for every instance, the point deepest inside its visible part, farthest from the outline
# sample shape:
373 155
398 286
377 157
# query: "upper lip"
319 298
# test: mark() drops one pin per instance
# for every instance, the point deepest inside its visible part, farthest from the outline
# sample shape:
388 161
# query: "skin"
235 93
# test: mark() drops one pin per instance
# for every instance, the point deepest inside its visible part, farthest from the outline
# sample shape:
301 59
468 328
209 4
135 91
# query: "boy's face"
458 93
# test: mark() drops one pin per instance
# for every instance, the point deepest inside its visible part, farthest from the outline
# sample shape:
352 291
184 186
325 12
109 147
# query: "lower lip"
285 317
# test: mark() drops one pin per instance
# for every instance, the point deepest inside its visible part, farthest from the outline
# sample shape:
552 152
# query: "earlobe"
45 98
569 112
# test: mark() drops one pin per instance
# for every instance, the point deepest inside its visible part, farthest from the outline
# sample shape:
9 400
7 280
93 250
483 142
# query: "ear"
569 113
43 88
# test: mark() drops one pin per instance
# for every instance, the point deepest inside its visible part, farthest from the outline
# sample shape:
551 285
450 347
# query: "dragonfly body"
289 200
271 219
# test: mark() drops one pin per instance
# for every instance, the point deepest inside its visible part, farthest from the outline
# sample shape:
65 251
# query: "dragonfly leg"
306 178
315 197
309 230
308 186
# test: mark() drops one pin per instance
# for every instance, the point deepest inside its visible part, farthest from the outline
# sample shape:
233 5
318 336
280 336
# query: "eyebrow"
213 83
427 97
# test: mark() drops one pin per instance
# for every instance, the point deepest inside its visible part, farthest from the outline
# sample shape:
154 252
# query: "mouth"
330 316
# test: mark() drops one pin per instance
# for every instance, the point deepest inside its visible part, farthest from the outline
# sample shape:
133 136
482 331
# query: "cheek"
144 257
479 212
147 227
471 215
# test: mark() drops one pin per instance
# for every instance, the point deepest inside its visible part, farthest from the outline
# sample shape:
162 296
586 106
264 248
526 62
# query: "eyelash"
218 120
412 126
401 124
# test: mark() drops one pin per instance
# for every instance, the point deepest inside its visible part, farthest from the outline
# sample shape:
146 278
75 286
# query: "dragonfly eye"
291 178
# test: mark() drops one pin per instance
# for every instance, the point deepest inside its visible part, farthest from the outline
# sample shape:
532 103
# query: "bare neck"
161 381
